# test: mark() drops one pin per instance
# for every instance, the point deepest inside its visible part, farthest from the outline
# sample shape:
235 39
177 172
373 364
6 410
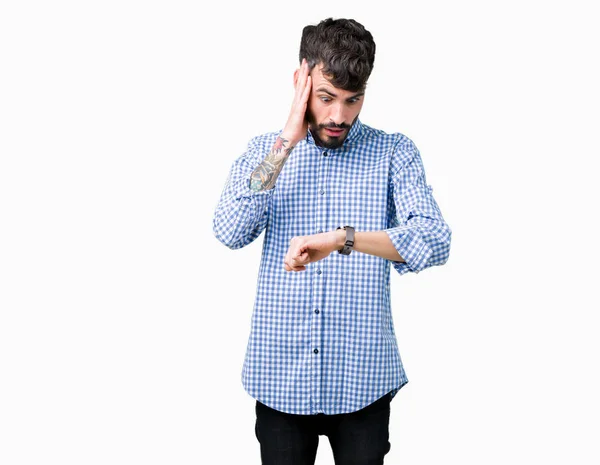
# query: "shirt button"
317 311
318 270
321 191
320 230
325 154
316 351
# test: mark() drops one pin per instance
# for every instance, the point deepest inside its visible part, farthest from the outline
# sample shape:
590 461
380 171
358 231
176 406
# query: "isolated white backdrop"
124 322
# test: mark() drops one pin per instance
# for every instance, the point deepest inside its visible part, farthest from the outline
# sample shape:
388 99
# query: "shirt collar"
354 134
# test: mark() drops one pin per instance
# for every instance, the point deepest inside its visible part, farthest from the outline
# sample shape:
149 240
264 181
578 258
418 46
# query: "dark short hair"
344 47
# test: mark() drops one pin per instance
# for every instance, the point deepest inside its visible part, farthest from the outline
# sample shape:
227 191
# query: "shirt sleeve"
419 232
241 213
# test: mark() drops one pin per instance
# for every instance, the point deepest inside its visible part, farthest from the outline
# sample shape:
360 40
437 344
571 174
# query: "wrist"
340 238
290 140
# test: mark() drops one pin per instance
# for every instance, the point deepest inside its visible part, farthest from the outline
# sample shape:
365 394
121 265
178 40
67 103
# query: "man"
340 203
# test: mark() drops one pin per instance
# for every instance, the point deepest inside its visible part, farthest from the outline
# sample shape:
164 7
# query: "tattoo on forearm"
265 174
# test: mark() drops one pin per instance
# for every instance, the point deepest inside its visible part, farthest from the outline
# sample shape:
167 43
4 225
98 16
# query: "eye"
353 100
325 99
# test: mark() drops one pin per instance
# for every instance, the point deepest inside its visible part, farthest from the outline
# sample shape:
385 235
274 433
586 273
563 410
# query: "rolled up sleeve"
418 232
242 213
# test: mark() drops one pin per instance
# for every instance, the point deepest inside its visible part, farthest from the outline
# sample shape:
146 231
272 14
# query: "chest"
347 188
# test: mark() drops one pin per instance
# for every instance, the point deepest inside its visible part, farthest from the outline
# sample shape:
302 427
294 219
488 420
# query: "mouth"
334 132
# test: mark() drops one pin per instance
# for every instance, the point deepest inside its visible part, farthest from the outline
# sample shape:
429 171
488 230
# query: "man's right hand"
266 173
296 127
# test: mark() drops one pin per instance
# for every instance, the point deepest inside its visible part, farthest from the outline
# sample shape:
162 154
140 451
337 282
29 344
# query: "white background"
124 322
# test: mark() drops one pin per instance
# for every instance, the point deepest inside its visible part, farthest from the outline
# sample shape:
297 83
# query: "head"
340 54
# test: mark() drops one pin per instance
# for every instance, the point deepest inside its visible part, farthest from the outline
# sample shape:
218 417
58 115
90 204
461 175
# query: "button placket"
320 221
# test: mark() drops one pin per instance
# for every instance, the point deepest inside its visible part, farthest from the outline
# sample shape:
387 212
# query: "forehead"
320 81
317 75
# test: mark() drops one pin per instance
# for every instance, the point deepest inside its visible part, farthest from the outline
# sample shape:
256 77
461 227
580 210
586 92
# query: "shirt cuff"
412 248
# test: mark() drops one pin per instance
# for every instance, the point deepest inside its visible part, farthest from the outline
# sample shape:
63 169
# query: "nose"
337 114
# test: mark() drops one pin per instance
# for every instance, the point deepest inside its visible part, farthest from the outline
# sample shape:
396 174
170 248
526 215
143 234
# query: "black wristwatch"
349 245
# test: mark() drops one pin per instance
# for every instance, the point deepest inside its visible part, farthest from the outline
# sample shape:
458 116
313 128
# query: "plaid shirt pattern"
322 340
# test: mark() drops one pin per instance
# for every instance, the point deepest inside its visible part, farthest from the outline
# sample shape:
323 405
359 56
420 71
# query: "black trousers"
357 438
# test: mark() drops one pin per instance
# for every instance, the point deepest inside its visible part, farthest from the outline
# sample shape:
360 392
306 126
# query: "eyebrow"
322 89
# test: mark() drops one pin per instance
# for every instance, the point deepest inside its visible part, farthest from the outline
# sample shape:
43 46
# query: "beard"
322 139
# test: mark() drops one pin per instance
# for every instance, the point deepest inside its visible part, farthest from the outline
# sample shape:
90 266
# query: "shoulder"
402 149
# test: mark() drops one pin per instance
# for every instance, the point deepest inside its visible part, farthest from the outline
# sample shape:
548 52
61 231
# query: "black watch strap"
349 244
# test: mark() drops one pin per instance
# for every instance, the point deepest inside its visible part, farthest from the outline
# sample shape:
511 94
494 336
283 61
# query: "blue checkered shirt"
322 340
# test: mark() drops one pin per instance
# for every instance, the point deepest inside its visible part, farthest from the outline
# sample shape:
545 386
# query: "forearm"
241 213
265 174
375 243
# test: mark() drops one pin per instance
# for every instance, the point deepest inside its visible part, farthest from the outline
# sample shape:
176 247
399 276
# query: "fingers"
303 81
306 92
293 266
296 258
289 268
300 75
296 264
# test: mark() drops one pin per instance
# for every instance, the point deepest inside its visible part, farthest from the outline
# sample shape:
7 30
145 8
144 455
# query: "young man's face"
331 111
